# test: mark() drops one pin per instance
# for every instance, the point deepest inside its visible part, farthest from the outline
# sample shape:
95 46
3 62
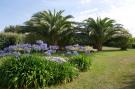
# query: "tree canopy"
53 25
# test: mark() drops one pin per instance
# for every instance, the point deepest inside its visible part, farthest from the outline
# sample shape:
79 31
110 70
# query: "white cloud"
80 16
123 14
89 11
85 1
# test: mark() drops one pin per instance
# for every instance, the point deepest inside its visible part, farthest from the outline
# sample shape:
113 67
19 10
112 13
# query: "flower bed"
32 71
40 46
34 66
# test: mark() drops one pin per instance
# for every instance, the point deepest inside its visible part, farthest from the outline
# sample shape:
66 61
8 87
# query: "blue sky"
13 12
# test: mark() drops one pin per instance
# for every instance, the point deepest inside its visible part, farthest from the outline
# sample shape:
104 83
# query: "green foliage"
108 71
53 26
120 40
133 45
7 39
82 62
100 30
81 39
131 42
33 37
13 29
123 42
33 72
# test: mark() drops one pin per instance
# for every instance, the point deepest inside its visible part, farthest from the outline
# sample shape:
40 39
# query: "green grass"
110 70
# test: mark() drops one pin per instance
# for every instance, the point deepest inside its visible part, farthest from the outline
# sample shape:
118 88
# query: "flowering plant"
40 46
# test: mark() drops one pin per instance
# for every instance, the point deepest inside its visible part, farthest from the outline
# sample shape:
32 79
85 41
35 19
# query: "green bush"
133 45
118 41
33 72
131 42
7 39
82 62
33 37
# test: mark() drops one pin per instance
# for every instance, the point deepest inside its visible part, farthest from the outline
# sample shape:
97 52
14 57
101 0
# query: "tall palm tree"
100 30
53 25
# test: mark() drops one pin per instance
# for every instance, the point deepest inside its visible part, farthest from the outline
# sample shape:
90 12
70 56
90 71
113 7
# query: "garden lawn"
109 70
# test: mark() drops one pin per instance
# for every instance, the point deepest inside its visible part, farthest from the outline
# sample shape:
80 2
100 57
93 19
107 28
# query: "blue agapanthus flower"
40 46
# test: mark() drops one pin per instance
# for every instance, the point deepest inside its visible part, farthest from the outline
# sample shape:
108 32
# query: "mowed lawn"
110 70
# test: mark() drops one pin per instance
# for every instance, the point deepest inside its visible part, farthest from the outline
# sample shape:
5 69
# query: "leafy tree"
132 42
80 34
100 30
13 29
121 39
52 25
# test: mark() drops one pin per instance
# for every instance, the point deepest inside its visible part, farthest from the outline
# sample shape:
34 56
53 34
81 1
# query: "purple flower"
69 47
36 48
16 54
39 42
49 52
43 46
27 50
54 47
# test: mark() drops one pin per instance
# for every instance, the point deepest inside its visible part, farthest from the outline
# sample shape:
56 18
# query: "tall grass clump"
7 39
82 62
34 72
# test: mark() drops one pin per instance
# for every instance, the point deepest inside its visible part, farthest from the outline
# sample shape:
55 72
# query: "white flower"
57 59
54 47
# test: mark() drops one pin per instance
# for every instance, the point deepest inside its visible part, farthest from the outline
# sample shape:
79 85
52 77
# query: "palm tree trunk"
98 46
61 48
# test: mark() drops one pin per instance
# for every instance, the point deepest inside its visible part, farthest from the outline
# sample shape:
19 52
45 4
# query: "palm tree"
54 26
100 30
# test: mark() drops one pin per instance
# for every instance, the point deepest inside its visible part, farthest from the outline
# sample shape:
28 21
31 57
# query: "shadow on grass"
129 82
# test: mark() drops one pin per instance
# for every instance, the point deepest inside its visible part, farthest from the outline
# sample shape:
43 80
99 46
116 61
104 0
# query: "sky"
16 12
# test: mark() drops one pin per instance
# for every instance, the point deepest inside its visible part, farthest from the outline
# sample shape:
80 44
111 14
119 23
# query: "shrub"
33 37
62 73
118 41
131 42
82 62
133 45
33 72
7 39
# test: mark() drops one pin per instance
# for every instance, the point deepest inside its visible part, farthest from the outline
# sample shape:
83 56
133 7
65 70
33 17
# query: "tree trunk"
61 48
94 47
55 42
123 48
98 46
